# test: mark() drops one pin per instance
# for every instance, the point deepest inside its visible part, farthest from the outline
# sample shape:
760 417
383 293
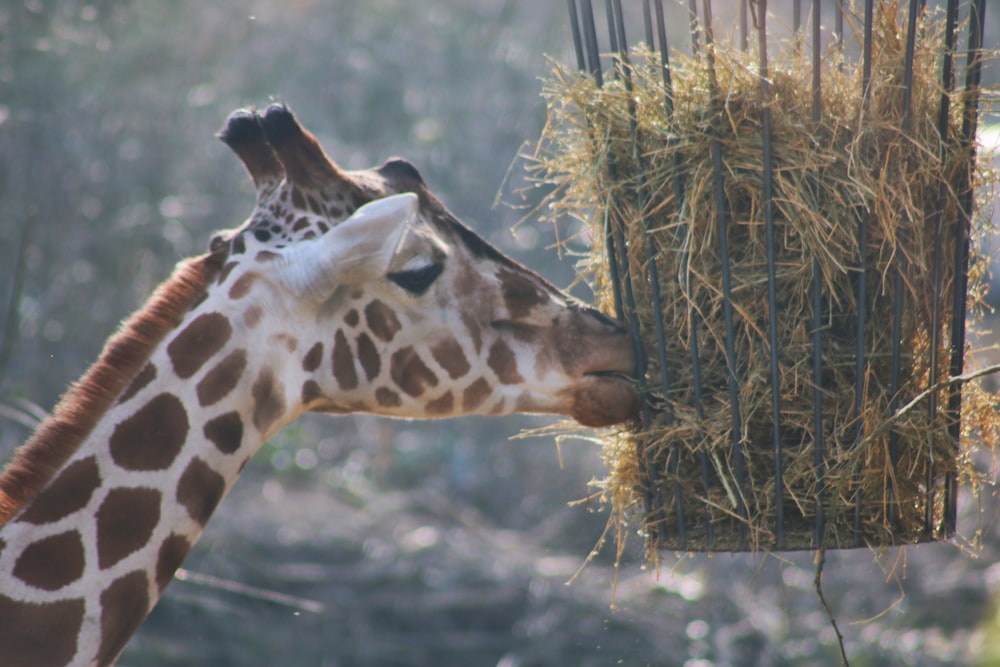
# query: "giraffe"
343 291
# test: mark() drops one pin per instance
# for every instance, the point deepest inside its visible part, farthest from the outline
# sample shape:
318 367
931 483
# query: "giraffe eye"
417 281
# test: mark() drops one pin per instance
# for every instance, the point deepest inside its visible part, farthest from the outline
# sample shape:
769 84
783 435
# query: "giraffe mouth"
604 398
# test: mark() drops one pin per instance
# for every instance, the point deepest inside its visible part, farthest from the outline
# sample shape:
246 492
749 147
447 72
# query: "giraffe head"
397 308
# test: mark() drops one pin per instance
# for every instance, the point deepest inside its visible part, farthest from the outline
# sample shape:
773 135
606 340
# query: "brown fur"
86 401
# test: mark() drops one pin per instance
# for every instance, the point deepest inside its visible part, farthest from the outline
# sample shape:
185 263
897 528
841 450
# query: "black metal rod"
862 284
898 296
944 113
722 224
973 77
772 300
574 25
819 456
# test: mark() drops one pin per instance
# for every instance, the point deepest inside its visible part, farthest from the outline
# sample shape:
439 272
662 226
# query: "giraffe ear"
358 250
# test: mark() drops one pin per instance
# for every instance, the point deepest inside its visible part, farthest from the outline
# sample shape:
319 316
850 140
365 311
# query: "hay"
615 156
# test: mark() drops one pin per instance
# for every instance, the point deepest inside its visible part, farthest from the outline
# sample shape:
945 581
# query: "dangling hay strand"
615 156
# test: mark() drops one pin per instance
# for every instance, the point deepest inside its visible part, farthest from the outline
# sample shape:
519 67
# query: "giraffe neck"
87 552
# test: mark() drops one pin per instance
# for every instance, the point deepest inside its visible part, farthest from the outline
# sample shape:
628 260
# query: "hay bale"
615 156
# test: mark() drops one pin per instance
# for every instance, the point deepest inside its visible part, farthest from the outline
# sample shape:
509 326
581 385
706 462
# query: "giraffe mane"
86 401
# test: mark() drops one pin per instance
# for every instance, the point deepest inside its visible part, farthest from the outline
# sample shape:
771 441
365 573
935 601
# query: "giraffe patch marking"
387 398
151 438
52 562
381 320
443 405
225 432
198 343
343 362
352 318
368 356
475 394
67 493
410 373
124 605
45 634
222 379
243 284
200 489
144 377
172 553
520 293
252 316
313 358
448 353
310 392
125 522
269 402
266 256
501 359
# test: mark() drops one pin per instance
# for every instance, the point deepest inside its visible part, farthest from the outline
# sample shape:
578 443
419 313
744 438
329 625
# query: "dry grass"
614 155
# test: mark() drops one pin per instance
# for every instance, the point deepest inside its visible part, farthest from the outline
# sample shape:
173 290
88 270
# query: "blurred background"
357 540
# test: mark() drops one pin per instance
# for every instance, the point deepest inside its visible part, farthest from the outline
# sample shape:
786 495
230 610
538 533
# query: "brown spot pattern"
67 493
501 359
225 432
124 605
252 316
144 377
475 394
387 398
266 256
410 373
313 358
381 320
222 379
520 293
173 551
125 522
200 489
310 392
45 634
442 405
151 438
448 353
368 356
352 318
52 562
343 362
241 286
198 342
269 401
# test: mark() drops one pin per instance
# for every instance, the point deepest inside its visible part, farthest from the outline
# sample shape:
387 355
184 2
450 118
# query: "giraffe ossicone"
344 291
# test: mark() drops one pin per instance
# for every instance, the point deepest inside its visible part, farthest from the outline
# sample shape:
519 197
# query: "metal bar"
898 297
944 113
693 25
590 39
678 183
616 32
862 286
772 300
819 457
973 75
722 224
574 25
